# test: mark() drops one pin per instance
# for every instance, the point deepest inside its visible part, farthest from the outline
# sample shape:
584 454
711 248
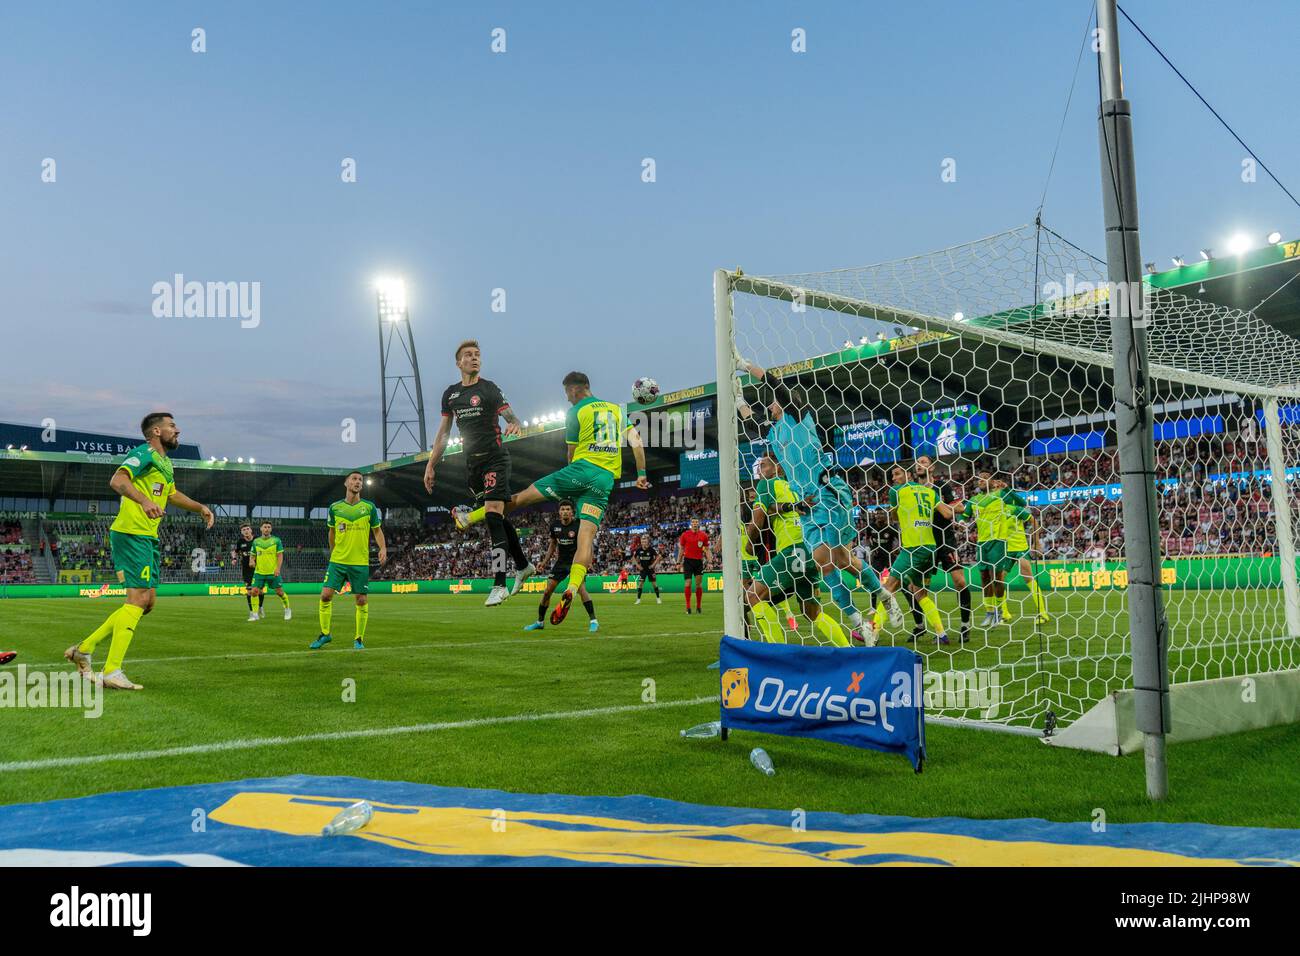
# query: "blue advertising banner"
867 697
698 468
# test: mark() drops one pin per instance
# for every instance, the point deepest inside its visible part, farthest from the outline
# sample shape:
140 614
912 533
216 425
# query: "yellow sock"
284 599
786 609
932 615
882 615
475 516
769 625
1002 606
90 643
577 574
128 616
831 628
326 613
363 615
1038 596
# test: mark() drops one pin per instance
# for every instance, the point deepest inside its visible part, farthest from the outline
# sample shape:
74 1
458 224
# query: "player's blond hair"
467 344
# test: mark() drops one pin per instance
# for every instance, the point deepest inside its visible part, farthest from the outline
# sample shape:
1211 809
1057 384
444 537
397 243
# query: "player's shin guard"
931 613
541 609
363 618
963 599
830 628
639 585
590 608
326 614
88 645
284 598
769 625
577 574
1039 604
688 594
128 616
500 549
512 545
840 594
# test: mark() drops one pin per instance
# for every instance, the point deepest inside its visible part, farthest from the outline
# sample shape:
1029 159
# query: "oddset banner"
870 697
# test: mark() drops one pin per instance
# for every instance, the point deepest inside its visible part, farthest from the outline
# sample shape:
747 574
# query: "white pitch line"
539 641
258 742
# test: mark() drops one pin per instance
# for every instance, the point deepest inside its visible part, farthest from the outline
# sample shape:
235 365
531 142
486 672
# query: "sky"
523 171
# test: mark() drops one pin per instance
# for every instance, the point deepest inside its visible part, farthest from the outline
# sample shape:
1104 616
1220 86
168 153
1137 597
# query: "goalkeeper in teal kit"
829 531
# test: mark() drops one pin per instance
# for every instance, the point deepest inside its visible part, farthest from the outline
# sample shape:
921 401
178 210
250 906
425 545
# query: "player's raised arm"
638 452
439 446
189 504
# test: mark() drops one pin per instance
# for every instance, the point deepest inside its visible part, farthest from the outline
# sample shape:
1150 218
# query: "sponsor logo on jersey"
156 489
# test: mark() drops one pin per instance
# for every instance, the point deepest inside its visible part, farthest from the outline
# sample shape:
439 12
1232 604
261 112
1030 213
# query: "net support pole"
733 614
1133 407
1282 515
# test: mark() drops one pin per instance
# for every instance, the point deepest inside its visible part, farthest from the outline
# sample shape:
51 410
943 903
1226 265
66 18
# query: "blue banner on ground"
864 697
278 821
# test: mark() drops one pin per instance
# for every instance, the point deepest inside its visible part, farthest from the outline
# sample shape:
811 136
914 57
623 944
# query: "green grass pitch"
560 711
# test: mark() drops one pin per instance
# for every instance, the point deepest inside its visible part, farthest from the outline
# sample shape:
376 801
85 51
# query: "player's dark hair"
354 471
567 503
576 378
152 419
467 344
245 524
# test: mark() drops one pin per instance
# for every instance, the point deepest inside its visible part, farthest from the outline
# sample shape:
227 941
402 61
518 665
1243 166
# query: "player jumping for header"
828 527
476 403
595 433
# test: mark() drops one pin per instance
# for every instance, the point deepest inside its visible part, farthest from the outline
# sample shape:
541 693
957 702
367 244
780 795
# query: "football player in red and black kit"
563 546
691 547
646 556
476 403
945 553
242 554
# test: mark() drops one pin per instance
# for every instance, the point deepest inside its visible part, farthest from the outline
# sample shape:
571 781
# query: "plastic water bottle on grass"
712 729
350 819
761 761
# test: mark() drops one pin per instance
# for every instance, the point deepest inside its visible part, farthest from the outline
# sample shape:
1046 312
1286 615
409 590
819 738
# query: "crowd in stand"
15 558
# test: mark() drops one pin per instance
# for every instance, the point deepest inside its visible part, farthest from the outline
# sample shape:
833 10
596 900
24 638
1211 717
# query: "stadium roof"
1258 281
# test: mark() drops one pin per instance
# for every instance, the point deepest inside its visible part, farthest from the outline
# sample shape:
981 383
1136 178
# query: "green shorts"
267 582
588 486
1023 554
135 559
749 568
992 555
357 574
791 572
915 565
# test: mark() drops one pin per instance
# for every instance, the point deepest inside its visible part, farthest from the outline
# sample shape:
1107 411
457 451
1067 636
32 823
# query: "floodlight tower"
402 400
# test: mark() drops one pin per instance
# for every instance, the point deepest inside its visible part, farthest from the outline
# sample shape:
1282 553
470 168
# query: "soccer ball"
645 390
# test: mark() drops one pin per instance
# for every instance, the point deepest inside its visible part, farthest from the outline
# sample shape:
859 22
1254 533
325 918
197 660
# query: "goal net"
991 364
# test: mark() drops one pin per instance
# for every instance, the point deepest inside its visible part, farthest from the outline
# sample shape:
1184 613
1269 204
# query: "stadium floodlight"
252 461
1274 238
863 340
392 298
1207 254
401 395
224 460
240 459
1178 262
1151 268
958 317
1239 244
